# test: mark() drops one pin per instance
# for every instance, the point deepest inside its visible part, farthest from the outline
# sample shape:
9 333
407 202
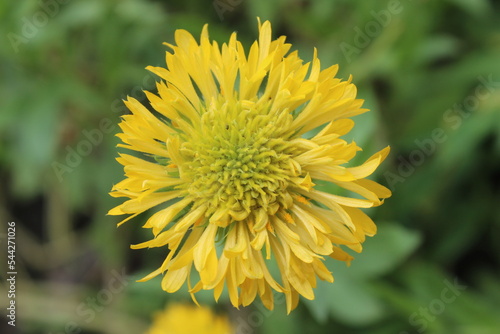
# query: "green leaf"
476 7
350 298
352 303
385 251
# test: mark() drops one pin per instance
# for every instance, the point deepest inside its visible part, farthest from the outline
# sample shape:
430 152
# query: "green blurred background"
428 70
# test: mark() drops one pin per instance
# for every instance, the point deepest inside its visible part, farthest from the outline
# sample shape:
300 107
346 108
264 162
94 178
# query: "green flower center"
239 159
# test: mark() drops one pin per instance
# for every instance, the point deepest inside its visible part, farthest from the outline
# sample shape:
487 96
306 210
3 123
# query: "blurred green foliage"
428 70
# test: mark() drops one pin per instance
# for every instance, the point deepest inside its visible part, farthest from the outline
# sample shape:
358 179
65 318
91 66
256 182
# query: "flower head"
231 165
184 319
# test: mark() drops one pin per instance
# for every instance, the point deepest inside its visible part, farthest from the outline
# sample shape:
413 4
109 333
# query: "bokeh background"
428 70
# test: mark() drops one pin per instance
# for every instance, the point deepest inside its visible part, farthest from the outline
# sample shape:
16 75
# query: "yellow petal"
204 247
174 279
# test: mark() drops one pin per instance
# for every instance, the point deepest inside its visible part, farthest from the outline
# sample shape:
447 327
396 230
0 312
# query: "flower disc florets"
239 161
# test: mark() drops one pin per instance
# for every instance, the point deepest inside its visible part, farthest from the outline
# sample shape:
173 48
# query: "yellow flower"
231 165
183 319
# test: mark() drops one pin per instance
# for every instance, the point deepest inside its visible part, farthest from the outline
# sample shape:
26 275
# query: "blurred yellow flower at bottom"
185 319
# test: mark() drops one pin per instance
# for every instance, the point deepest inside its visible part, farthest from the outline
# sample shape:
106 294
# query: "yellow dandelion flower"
232 168
184 319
